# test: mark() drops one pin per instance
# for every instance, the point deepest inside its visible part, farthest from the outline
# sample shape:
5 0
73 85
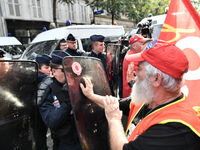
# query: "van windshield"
45 47
86 43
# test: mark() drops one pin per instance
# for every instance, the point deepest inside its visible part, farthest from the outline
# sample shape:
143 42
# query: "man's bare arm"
116 131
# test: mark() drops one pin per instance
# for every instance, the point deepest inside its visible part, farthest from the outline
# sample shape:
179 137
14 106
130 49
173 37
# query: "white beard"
142 92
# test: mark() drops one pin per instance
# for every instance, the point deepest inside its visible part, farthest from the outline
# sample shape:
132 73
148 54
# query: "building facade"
24 19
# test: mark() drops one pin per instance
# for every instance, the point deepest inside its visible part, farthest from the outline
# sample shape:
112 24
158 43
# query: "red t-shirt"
126 88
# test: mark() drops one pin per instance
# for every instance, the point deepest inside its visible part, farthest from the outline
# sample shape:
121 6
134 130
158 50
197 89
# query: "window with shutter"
14 7
37 9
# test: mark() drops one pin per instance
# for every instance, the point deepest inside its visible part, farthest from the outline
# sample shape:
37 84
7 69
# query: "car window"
86 44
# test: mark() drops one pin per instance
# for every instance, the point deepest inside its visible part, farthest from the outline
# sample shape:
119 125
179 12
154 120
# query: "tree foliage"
196 4
113 7
140 9
135 10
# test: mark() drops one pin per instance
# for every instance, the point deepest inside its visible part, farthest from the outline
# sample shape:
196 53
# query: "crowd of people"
159 114
55 111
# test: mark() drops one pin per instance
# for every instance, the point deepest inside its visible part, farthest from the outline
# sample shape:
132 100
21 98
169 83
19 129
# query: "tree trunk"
54 13
113 16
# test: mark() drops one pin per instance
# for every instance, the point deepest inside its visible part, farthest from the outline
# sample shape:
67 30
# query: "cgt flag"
182 28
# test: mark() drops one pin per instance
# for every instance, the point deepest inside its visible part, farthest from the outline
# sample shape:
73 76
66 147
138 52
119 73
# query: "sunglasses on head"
62 69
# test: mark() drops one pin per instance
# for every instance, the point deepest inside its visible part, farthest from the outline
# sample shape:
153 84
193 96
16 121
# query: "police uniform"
41 129
73 52
101 56
44 59
56 110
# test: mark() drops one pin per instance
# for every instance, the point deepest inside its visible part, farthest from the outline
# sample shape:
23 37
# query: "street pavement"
49 140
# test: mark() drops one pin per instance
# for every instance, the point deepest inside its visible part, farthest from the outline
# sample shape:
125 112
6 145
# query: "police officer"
41 129
72 46
44 66
56 111
63 44
97 42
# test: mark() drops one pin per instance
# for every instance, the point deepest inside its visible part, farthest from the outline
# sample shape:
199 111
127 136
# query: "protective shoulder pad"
86 54
44 90
80 52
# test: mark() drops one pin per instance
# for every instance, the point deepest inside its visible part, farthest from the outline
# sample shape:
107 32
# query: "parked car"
12 47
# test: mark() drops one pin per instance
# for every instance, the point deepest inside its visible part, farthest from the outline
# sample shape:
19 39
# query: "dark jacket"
56 114
41 76
75 52
102 56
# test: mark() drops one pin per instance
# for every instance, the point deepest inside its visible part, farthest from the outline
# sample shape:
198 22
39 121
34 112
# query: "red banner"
182 28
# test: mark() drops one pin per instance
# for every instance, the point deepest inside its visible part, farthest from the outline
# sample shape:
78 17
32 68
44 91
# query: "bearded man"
160 116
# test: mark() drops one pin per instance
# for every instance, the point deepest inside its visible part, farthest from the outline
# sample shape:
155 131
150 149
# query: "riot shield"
112 66
90 118
18 86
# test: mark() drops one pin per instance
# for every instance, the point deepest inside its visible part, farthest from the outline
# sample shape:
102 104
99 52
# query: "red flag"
182 28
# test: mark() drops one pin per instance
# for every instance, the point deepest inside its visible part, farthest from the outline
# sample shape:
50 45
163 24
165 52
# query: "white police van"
47 41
